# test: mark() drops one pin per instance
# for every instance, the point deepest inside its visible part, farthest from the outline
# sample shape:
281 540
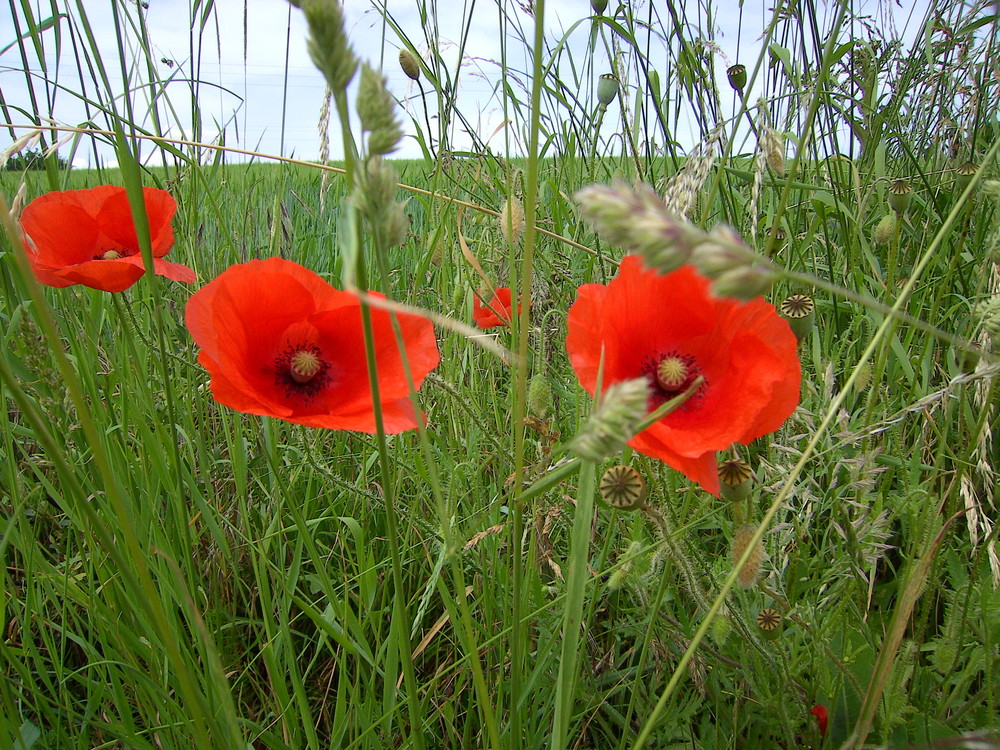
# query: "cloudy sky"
259 86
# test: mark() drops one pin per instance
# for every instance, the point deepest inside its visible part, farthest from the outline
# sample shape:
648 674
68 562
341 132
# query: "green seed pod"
736 479
623 487
770 624
599 6
885 229
963 176
900 196
737 75
607 89
409 63
801 312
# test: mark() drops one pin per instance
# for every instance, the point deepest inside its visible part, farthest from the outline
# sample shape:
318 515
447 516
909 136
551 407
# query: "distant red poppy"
279 341
88 237
671 329
496 313
822 717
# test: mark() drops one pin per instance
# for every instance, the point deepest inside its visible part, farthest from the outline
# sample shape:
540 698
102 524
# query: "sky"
261 88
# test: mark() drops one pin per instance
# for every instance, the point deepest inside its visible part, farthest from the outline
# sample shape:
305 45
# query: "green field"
178 573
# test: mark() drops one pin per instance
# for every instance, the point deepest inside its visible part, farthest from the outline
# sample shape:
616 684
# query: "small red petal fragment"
822 717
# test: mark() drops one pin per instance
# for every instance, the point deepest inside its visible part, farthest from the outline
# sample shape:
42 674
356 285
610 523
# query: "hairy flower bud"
409 63
511 220
539 396
885 229
750 571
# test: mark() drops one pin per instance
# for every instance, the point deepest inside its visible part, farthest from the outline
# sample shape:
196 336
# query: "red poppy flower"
279 341
88 237
822 717
496 313
671 329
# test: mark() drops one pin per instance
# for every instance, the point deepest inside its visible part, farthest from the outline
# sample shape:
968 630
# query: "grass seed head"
614 420
328 45
377 112
774 151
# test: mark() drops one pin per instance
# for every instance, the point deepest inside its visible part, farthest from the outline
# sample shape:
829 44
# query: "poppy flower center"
302 371
110 255
671 374
304 365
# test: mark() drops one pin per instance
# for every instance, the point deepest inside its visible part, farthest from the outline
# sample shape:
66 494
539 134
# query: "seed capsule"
607 89
737 75
770 623
963 176
900 196
780 237
801 312
623 487
599 6
735 478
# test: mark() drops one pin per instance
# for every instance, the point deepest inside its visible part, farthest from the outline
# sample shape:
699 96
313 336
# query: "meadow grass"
177 574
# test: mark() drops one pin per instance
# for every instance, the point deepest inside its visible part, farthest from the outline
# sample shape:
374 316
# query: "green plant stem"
576 580
519 634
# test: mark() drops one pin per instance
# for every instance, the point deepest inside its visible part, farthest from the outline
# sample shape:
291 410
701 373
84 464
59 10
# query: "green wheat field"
203 551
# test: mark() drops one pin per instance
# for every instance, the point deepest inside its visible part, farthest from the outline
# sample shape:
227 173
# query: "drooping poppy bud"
409 63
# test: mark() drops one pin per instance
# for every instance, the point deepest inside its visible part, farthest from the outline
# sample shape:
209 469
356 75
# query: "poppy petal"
255 322
744 351
71 231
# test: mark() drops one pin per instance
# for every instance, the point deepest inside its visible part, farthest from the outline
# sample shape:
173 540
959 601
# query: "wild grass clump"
179 573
